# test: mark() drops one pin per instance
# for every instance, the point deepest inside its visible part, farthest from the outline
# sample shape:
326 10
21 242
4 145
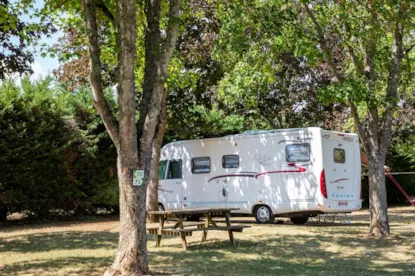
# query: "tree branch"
409 49
152 53
126 41
326 49
356 119
358 63
104 9
99 99
394 77
157 58
171 35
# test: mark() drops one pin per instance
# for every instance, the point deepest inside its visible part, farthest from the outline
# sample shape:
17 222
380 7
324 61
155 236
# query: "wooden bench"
173 225
236 228
181 229
168 230
188 232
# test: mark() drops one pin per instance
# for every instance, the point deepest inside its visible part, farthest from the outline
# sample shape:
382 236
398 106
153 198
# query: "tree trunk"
131 258
155 117
95 78
378 205
381 130
133 140
152 189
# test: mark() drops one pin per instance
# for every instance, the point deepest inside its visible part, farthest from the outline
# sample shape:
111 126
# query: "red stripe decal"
299 170
338 180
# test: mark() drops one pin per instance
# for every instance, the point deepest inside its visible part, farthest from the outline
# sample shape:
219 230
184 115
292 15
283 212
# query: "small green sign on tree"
138 178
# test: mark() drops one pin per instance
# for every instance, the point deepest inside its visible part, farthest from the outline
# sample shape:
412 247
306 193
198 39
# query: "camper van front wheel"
263 214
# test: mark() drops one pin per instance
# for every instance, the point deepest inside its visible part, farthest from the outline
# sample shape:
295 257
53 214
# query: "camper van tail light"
323 188
341 134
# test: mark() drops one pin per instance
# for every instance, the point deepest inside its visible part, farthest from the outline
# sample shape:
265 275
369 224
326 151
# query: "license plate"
343 203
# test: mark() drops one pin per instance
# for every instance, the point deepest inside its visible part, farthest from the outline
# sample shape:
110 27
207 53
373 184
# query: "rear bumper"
339 206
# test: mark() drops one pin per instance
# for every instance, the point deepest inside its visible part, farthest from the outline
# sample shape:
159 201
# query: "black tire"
263 214
161 207
299 220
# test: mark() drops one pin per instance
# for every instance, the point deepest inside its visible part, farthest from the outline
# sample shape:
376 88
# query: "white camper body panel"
281 169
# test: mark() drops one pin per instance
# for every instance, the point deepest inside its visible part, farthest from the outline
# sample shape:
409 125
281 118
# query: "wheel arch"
261 204
162 205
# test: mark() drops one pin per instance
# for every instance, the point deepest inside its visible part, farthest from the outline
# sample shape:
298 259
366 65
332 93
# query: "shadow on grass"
287 255
59 241
11 226
70 266
339 251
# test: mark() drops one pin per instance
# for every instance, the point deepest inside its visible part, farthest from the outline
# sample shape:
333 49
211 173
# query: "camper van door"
173 184
339 159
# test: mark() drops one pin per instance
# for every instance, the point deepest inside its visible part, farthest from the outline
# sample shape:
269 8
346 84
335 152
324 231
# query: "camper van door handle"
178 182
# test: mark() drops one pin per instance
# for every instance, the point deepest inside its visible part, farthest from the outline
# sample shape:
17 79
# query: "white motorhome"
294 173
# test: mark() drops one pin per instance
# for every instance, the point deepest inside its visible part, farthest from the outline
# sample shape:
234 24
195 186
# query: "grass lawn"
284 249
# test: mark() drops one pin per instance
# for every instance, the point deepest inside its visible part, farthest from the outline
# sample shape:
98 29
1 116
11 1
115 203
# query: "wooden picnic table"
182 230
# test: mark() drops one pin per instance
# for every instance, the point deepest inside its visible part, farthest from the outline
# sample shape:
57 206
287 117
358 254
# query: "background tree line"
202 68
215 87
58 160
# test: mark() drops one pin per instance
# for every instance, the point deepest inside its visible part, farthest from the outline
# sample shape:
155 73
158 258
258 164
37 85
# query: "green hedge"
52 163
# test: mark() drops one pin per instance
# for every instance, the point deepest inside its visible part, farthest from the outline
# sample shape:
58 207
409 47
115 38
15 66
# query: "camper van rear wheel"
299 220
263 214
193 218
161 207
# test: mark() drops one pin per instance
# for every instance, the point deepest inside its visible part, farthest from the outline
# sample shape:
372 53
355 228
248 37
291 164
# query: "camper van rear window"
230 161
201 165
339 156
298 152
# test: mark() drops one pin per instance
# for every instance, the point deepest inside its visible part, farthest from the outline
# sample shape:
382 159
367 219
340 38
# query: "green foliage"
17 36
201 122
269 66
55 156
354 89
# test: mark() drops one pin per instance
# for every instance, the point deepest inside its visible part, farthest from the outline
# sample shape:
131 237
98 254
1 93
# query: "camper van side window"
201 165
297 152
339 156
162 169
230 161
175 169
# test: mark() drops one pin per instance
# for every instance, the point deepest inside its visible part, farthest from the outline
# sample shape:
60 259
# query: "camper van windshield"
298 152
162 169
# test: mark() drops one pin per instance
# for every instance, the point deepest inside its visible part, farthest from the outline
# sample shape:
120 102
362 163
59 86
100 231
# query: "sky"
43 66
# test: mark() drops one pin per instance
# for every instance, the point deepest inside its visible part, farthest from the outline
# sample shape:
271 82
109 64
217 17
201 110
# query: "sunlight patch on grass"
286 249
